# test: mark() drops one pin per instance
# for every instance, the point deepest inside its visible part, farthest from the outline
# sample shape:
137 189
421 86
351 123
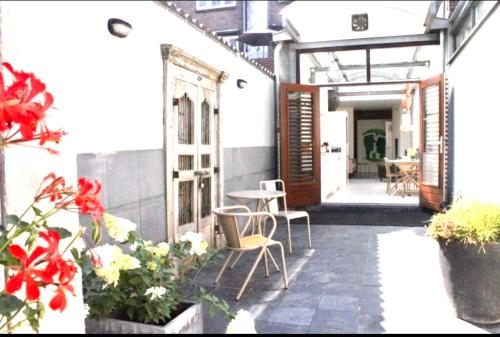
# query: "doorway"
191 143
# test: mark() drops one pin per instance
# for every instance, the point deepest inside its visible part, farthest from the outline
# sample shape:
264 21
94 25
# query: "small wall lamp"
241 83
118 27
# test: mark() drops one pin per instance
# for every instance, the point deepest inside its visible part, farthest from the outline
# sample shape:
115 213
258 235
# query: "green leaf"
63 232
96 234
37 211
9 303
75 253
13 219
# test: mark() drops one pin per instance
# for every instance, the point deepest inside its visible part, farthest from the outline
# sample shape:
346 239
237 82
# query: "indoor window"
201 5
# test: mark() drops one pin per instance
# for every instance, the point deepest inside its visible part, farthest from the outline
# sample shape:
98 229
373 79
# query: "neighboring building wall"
225 18
108 94
275 18
473 79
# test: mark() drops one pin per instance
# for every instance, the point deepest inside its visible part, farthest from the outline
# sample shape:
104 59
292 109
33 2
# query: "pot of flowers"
468 235
142 287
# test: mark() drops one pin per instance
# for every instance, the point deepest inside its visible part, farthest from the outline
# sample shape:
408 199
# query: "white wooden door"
194 152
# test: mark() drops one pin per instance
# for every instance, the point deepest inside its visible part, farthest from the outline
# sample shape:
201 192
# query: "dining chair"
396 175
283 212
227 219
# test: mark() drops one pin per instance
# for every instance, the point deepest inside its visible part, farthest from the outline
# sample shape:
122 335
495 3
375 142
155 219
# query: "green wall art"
374 144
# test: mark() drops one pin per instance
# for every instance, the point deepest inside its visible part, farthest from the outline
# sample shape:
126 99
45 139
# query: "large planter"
190 321
472 280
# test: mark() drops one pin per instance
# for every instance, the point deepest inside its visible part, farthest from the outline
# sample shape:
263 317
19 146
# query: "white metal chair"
237 241
274 209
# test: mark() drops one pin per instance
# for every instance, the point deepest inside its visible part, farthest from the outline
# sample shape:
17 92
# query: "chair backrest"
228 221
387 167
227 218
271 185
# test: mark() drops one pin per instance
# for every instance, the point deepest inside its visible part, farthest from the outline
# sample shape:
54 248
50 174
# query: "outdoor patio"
356 279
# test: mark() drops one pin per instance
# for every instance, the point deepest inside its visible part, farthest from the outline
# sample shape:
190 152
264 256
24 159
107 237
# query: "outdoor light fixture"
119 28
241 83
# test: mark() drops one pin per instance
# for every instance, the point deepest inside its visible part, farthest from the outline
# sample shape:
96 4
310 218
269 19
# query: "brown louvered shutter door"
431 143
300 148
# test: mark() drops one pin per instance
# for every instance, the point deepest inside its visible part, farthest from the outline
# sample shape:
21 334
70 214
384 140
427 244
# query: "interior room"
358 134
370 110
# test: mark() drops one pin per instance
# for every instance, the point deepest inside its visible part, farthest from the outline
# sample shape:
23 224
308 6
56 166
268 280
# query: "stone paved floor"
356 279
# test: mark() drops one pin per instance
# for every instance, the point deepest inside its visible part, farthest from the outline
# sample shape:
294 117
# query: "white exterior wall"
104 84
108 93
473 76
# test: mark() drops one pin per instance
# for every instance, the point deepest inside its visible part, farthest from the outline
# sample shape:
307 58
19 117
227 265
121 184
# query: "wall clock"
359 22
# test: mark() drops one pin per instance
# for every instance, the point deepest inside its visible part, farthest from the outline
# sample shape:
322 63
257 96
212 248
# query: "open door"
432 143
300 144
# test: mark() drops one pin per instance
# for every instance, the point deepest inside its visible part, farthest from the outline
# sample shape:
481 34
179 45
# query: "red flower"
56 264
54 190
23 103
27 273
87 198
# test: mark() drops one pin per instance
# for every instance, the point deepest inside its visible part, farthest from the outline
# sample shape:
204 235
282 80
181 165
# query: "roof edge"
170 6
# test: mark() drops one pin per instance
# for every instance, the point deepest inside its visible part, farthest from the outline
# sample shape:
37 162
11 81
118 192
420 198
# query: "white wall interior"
473 77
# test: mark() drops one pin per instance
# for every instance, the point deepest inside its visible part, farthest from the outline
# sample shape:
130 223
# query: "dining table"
409 168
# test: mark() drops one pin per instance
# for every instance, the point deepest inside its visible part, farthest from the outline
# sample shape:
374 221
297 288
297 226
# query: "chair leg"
309 231
235 261
388 182
224 267
243 287
266 264
273 260
289 236
285 276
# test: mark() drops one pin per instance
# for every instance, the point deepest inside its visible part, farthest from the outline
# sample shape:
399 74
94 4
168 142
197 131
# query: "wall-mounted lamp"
118 27
241 83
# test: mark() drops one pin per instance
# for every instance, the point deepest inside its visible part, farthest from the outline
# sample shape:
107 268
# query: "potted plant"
468 234
147 289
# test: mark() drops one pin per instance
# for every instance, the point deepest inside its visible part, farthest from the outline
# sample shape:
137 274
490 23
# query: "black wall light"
118 27
241 83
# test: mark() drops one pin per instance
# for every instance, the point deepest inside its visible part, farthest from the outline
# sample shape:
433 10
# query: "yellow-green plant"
469 222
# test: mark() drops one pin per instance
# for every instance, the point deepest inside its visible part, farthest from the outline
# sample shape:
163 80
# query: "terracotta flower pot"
190 321
472 280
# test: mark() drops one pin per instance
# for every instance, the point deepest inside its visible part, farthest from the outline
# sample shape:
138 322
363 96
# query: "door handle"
201 173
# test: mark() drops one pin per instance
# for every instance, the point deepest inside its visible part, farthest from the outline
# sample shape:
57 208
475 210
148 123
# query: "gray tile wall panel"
133 188
123 178
247 167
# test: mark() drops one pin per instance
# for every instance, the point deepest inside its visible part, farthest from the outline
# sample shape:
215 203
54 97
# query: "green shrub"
469 222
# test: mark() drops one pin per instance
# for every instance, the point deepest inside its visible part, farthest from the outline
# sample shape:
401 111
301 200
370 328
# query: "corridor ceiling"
317 21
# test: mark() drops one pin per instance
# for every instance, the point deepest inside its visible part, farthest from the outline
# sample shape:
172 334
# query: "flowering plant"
30 254
151 282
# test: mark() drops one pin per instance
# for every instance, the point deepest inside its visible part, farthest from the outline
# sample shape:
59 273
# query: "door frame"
174 56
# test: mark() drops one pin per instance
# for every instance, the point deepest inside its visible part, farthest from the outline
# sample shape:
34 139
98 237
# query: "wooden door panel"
432 143
300 148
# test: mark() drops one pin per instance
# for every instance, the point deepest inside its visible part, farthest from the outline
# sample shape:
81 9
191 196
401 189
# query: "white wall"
104 84
473 77
108 92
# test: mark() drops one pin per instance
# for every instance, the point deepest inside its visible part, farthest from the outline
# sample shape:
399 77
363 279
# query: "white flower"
155 292
86 309
198 245
160 250
112 261
242 323
133 247
118 228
